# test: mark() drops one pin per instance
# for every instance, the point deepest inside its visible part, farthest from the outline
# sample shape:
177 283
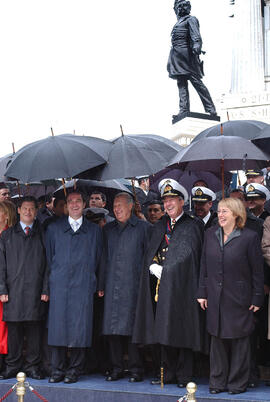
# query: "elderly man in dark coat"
184 64
23 289
167 313
74 247
125 241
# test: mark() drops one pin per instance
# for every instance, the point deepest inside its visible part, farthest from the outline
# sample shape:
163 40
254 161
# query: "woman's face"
226 217
3 217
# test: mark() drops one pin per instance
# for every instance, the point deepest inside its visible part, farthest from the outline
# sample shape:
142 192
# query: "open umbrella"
220 154
247 129
135 155
263 140
187 178
59 156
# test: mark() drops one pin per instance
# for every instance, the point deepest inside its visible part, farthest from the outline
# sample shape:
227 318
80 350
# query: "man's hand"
203 303
100 293
254 308
156 270
4 298
44 298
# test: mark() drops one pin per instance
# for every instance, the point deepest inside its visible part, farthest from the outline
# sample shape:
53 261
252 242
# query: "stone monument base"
206 116
189 124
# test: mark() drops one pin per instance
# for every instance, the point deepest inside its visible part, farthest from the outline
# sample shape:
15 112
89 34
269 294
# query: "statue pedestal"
186 126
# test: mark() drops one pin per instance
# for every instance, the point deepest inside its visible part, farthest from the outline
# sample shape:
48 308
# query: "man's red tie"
27 230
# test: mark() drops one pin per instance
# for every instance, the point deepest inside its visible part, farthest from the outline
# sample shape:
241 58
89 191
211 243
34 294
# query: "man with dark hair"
125 241
155 211
23 289
144 194
73 250
203 198
184 63
4 192
98 200
46 211
58 211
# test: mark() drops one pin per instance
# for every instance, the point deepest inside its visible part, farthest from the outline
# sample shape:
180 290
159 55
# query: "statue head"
182 8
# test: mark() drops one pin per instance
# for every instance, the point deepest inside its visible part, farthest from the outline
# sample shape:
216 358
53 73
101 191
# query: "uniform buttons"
220 284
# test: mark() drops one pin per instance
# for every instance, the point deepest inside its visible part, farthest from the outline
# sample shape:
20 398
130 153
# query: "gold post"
162 377
20 387
191 390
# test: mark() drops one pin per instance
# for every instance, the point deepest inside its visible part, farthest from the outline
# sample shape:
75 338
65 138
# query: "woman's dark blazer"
231 279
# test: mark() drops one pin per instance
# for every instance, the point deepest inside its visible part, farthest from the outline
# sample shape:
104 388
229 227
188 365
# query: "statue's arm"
195 36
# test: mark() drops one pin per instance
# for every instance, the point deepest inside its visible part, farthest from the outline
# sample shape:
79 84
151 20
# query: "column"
267 43
248 48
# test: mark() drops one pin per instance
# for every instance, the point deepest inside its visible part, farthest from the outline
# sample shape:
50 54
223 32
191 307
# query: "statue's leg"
184 104
204 94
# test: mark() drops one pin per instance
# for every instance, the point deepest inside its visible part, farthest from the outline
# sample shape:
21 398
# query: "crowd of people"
147 285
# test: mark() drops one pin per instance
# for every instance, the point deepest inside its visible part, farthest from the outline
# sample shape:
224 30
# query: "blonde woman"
230 290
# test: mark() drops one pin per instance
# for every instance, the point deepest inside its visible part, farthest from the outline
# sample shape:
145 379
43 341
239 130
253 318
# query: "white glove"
156 270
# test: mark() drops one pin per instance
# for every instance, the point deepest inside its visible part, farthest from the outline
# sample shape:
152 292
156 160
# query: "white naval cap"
170 187
257 190
202 194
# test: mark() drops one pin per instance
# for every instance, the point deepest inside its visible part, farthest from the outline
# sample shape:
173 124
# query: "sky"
87 66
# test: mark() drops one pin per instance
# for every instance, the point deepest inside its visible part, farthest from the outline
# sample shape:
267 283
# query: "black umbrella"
263 140
60 156
219 154
136 155
4 160
247 129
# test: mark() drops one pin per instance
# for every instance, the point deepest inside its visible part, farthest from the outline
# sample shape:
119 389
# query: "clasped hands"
4 298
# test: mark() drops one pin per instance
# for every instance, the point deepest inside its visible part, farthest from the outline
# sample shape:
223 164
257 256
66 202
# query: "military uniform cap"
202 194
257 190
142 177
170 187
102 212
254 172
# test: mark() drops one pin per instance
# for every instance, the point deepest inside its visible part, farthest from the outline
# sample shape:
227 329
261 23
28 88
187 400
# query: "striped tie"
27 230
173 223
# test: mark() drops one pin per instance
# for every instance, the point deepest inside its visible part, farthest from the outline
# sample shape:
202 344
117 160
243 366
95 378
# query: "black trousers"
184 103
229 363
117 346
16 333
177 363
62 365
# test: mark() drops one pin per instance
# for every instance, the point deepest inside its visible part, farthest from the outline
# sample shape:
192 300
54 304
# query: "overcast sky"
90 66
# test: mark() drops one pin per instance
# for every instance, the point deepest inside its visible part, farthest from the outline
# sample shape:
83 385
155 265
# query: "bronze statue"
184 63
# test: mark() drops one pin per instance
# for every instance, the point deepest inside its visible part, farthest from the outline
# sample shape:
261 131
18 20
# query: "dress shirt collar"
23 225
207 217
78 221
178 217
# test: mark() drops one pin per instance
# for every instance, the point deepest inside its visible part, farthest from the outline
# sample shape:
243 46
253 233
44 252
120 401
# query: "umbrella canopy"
187 178
263 140
4 160
207 154
247 129
57 156
136 155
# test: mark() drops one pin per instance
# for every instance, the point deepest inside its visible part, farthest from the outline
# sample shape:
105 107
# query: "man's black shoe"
114 376
216 390
8 374
135 378
70 379
157 381
181 384
35 374
235 391
56 378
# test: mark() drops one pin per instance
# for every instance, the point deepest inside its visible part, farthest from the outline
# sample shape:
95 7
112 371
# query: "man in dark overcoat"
23 289
167 313
144 194
184 64
74 246
125 241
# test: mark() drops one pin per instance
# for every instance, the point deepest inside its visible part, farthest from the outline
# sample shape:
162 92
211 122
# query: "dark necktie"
27 230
